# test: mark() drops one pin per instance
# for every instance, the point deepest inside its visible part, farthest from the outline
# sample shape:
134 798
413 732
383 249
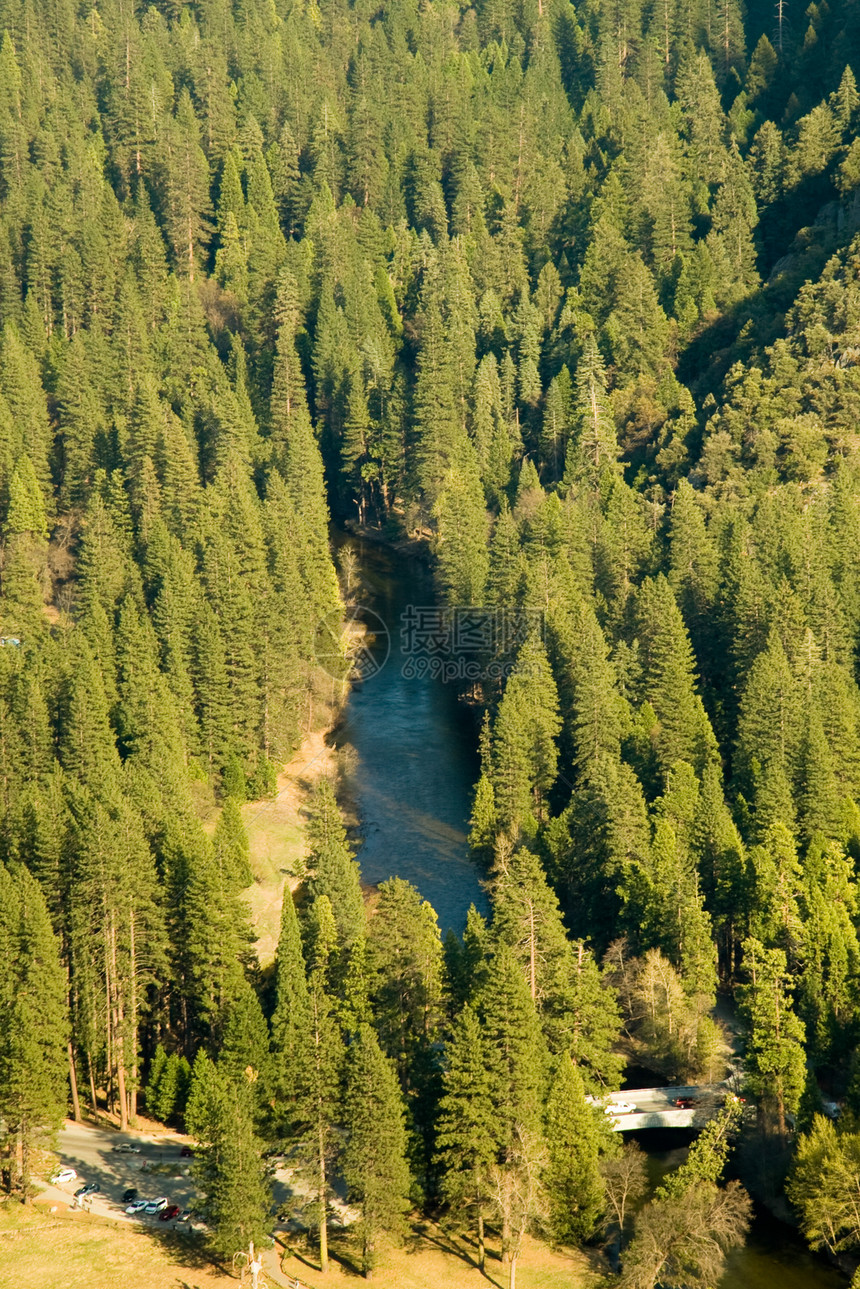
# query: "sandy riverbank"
277 838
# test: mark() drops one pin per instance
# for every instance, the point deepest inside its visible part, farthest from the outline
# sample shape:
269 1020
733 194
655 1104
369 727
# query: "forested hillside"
571 295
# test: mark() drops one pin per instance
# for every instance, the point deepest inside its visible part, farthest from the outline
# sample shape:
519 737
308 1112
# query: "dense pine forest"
569 296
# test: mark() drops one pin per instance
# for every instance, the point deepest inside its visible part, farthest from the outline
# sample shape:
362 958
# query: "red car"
186 1153
686 1103
169 1213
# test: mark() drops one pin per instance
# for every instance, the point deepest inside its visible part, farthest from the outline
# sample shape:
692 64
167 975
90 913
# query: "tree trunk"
322 1203
132 1092
119 1022
109 1084
482 1253
93 1096
513 1280
73 1082
21 1162
780 1098
122 1095
506 1238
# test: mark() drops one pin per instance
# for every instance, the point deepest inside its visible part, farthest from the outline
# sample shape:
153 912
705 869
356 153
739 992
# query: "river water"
411 751
774 1256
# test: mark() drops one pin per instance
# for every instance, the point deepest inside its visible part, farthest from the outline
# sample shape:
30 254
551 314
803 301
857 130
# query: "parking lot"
158 1170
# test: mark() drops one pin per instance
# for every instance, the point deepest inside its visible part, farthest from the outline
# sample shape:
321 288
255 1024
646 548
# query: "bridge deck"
657 1107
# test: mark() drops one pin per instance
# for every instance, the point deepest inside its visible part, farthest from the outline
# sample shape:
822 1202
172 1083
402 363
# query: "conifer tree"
231 845
406 956
524 749
776 1067
825 998
26 512
244 1047
769 733
374 1157
466 1134
527 918
334 872
514 1050
319 1109
228 1167
573 1133
730 241
168 1086
33 1028
291 1016
437 419
684 732
187 188
461 538
25 396
557 418
594 447
294 447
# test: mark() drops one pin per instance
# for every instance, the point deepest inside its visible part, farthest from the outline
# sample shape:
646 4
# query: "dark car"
169 1213
89 1189
129 1195
686 1103
186 1153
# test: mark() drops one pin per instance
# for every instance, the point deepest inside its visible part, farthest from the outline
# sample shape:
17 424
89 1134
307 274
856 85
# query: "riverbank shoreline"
416 547
276 828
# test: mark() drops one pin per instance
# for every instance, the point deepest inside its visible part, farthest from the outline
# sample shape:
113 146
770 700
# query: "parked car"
157 1205
621 1107
169 1213
137 1206
129 1195
63 1175
686 1103
126 1148
186 1153
90 1188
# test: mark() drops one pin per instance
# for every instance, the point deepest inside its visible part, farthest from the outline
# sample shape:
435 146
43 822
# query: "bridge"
635 1108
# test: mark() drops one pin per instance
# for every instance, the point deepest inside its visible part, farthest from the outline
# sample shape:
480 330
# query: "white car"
137 1206
156 1205
64 1175
621 1107
126 1149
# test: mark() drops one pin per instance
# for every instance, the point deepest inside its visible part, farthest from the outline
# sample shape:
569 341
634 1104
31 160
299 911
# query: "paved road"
656 1107
159 1169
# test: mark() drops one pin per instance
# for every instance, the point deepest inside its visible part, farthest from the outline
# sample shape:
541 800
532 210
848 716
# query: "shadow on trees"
759 319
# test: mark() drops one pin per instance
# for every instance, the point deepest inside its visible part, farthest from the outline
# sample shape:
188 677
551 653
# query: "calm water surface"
414 763
774 1257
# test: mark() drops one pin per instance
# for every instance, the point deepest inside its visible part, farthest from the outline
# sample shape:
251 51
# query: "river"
774 1256
411 751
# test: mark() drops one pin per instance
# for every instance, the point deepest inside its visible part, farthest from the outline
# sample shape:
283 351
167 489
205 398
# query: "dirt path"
276 835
